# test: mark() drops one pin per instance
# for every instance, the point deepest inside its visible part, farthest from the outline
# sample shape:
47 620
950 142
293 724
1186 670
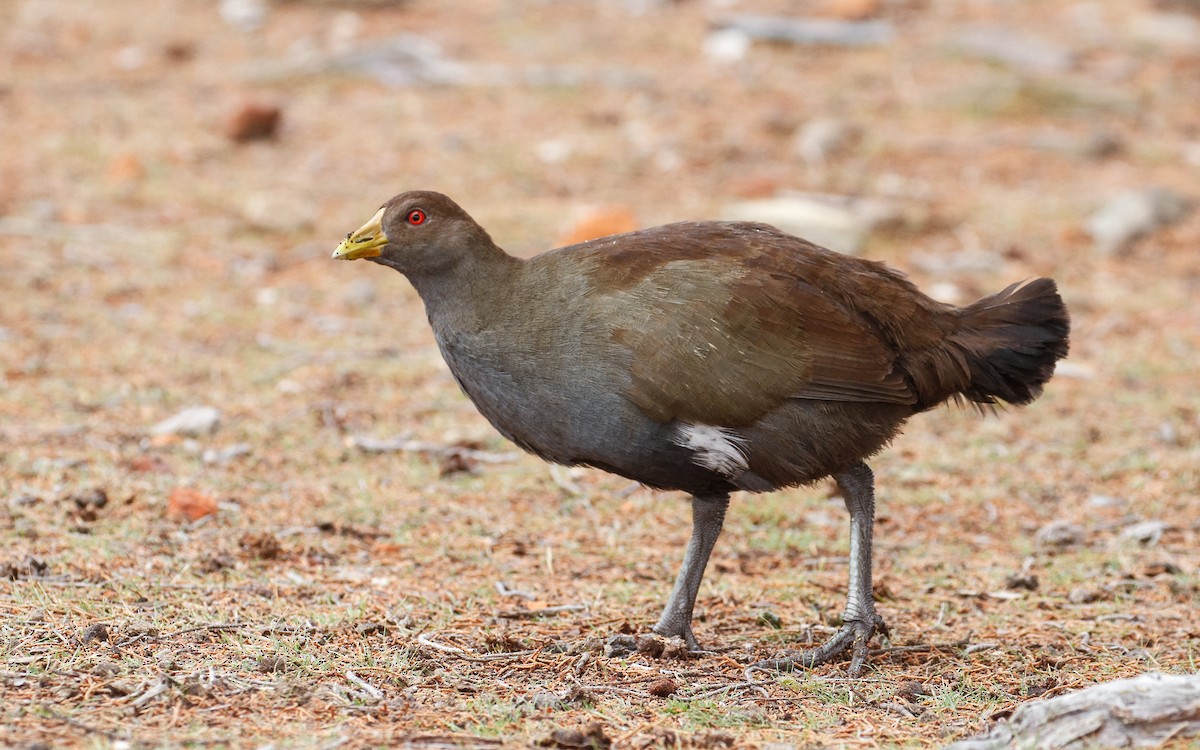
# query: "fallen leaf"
190 504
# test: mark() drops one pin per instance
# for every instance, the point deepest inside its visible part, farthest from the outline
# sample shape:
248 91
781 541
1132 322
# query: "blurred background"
182 366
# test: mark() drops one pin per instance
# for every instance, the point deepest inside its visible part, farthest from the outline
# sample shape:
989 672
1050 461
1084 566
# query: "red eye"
416 217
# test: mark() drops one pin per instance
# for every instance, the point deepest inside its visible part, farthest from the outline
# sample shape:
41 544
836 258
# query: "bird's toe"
854 636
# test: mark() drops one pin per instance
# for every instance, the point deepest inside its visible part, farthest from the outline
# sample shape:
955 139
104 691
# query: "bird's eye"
416 217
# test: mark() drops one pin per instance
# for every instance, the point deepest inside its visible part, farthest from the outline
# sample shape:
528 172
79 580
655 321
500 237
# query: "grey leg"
708 515
860 621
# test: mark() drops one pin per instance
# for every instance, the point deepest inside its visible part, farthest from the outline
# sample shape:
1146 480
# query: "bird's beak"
366 242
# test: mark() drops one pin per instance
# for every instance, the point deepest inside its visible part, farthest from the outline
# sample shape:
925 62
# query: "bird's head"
417 233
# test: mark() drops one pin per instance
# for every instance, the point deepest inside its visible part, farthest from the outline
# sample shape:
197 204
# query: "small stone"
1059 534
1145 533
1083 595
663 688
726 46
194 421
96 632
1134 214
253 121
651 644
106 669
591 737
262 545
246 15
912 690
1027 581
271 664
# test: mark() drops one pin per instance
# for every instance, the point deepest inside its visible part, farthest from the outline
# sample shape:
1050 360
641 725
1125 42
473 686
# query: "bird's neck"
466 296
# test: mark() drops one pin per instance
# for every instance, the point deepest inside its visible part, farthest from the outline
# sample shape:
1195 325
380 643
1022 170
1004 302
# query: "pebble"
246 15
1059 534
726 46
1146 533
1134 214
194 421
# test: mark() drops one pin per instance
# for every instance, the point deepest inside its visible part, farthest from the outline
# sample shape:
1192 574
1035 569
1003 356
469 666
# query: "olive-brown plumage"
710 357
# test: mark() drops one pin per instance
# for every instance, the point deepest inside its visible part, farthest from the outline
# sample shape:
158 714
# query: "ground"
274 582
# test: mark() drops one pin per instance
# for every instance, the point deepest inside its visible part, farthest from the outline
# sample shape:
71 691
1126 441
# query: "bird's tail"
1010 341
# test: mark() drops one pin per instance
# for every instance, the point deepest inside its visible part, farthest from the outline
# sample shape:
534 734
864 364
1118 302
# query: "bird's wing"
724 343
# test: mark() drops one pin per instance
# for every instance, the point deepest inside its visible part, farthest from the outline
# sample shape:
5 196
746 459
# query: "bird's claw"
854 636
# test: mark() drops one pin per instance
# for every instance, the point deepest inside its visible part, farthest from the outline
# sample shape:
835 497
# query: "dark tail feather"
1011 340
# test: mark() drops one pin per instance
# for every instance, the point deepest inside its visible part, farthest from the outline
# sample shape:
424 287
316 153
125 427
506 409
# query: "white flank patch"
717 448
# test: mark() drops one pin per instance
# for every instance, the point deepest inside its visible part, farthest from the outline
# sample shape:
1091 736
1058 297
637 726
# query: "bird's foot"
654 643
854 636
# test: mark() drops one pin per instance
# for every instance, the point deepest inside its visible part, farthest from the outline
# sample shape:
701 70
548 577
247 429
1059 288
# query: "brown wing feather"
734 319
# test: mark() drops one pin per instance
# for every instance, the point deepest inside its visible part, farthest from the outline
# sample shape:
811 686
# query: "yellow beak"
366 242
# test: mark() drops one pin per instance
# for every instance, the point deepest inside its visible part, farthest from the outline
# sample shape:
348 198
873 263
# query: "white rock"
194 421
1145 532
1061 533
1143 711
726 46
1133 214
246 15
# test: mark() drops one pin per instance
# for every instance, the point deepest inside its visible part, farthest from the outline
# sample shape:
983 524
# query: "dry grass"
345 598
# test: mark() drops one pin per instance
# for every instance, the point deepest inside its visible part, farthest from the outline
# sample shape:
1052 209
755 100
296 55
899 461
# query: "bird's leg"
708 515
860 621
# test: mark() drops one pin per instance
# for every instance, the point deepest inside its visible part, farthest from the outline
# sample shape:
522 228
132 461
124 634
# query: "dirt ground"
276 582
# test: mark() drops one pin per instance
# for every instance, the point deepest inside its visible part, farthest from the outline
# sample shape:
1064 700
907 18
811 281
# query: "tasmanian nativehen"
710 357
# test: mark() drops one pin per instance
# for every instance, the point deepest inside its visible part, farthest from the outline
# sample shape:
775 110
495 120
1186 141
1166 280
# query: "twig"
526 614
465 655
423 639
363 685
153 692
898 708
79 724
756 685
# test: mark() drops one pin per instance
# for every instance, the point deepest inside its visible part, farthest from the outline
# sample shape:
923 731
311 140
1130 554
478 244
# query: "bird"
710 357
